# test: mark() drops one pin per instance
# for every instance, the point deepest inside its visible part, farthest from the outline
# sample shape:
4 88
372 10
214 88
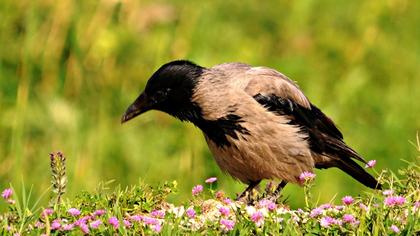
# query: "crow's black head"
169 90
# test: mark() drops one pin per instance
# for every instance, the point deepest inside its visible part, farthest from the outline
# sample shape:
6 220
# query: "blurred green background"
69 69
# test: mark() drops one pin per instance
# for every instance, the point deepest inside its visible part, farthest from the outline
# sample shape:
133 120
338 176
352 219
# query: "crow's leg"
280 187
276 194
248 190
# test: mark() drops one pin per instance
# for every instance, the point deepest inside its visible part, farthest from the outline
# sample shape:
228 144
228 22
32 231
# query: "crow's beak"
139 106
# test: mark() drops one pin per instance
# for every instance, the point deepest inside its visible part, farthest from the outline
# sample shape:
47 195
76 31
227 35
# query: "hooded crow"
257 123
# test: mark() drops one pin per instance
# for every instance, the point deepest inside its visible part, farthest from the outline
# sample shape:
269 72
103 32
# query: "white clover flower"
388 192
278 219
282 210
194 224
332 210
235 205
295 219
250 210
177 211
210 209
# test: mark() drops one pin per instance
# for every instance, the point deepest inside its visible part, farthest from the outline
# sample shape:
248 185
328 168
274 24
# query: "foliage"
143 210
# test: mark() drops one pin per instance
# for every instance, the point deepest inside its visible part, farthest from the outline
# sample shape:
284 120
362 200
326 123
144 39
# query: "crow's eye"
163 92
160 95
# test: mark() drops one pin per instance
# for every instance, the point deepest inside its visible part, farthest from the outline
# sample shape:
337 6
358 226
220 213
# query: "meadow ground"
145 210
68 70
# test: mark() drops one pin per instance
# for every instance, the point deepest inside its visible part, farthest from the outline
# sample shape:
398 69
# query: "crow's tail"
342 157
357 172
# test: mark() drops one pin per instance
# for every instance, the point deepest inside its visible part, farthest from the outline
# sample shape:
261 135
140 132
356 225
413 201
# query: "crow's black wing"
280 95
323 136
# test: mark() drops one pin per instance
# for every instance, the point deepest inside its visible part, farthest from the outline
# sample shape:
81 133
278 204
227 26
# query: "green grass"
145 210
69 69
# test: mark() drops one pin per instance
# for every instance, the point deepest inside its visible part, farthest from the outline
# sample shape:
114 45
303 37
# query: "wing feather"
280 95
